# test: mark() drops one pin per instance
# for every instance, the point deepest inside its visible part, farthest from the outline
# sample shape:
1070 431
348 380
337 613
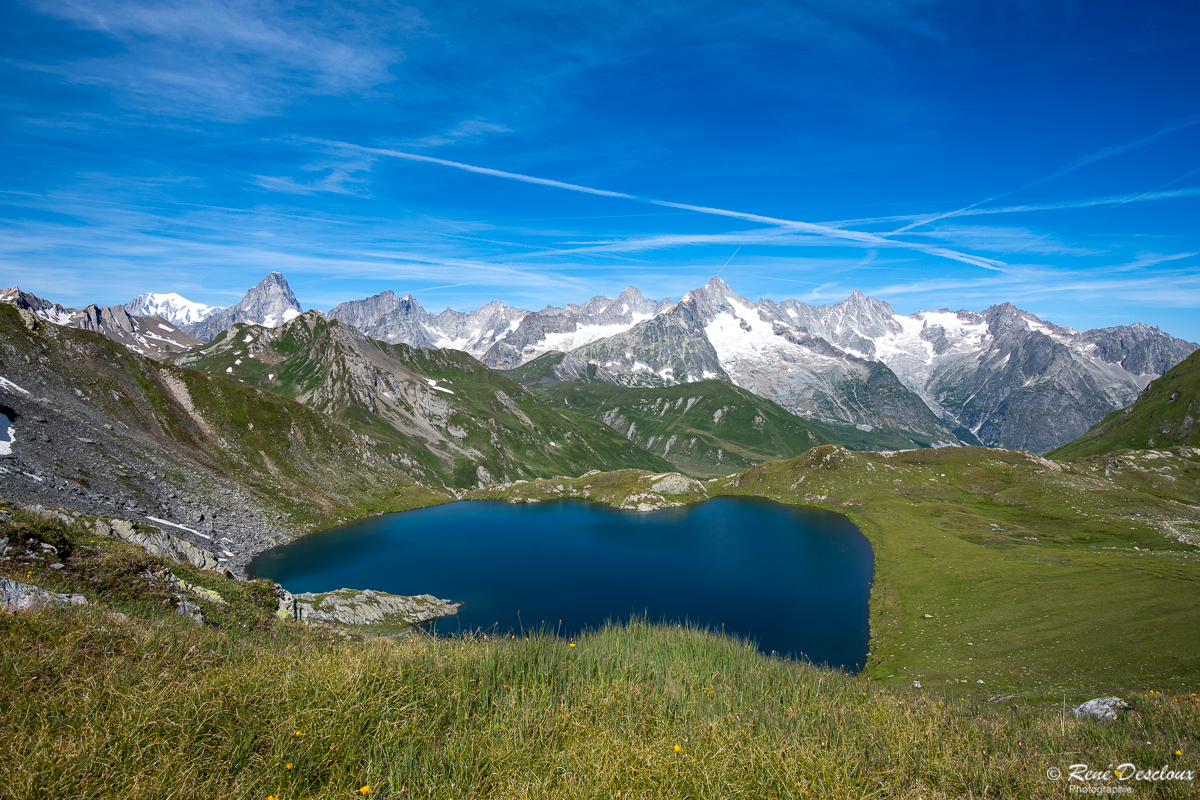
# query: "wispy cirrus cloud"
1070 166
230 59
466 131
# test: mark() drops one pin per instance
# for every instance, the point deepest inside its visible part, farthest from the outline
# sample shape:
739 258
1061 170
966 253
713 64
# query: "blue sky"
934 154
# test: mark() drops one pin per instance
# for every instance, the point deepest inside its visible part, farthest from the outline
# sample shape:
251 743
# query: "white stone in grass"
1103 709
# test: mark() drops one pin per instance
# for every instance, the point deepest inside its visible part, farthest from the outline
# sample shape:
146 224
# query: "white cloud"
230 59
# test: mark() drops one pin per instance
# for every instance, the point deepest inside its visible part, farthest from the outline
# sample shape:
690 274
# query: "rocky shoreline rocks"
362 609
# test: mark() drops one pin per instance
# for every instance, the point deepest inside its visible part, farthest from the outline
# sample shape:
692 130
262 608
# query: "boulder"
1103 709
675 484
14 595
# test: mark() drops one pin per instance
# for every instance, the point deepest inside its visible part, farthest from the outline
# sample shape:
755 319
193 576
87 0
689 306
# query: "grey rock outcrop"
15 595
158 543
367 607
676 484
1103 709
402 320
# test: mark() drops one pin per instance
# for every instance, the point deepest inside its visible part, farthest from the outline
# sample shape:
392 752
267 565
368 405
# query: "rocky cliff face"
402 320
1006 376
270 304
714 333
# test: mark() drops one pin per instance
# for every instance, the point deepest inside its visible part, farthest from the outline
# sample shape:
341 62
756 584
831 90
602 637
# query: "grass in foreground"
93 706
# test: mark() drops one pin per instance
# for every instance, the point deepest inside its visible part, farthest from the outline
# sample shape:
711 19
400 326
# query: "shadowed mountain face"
438 414
270 304
1164 416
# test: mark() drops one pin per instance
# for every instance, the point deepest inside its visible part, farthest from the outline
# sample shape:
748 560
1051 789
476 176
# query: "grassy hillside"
439 414
148 705
1038 577
1164 416
704 429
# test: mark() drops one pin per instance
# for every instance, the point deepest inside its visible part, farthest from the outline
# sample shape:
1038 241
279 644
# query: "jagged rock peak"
270 303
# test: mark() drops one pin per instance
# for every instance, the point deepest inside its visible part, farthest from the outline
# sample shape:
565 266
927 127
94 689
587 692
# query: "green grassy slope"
704 429
1164 416
149 705
1038 577
439 414
748 429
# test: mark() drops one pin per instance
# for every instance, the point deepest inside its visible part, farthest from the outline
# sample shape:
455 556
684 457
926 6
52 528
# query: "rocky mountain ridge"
1000 377
498 335
150 336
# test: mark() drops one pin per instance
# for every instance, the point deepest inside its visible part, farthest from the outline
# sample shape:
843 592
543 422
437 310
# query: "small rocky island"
384 613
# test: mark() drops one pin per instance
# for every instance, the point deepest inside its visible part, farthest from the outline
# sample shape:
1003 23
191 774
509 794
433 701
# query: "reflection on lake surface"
796 580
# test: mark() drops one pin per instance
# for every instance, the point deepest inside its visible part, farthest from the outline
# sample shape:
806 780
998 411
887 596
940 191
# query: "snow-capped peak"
172 307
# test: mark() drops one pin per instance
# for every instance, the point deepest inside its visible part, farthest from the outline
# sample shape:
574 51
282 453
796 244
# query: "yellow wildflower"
364 791
572 644
1178 752
677 748
289 765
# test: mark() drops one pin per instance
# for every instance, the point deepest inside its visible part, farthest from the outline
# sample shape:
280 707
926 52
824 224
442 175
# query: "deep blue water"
796 580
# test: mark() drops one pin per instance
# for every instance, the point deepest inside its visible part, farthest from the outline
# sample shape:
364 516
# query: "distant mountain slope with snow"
498 335
172 307
150 336
270 304
1001 376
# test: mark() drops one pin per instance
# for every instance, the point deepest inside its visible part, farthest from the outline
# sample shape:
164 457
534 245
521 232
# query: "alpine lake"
795 581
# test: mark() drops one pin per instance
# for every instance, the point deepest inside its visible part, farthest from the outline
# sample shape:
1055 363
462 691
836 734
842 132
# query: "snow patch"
5 383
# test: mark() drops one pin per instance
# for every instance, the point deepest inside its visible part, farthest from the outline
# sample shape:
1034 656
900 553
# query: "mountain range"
1001 377
147 335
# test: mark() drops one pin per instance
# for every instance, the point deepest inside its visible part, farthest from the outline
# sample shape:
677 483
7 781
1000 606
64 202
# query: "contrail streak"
1157 188
1070 166
807 227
